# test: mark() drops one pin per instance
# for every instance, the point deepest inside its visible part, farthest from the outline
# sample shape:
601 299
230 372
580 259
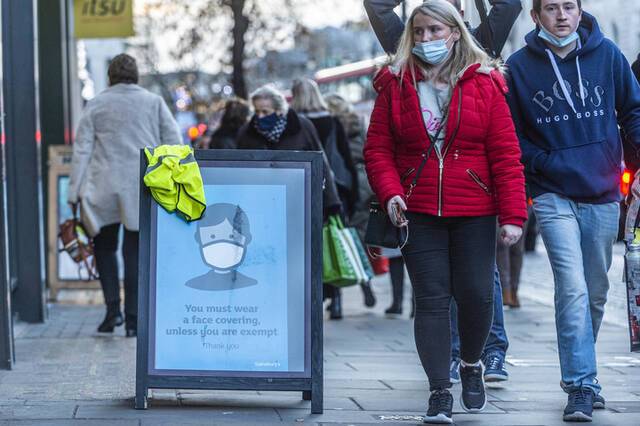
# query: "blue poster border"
310 381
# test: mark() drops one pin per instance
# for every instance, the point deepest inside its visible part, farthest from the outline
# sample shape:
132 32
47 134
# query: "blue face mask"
558 42
267 122
432 52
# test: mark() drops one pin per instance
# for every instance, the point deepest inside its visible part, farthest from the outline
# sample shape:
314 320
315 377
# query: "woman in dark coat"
275 126
308 101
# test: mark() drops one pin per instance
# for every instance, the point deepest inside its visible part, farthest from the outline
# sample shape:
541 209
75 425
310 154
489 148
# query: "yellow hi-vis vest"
174 179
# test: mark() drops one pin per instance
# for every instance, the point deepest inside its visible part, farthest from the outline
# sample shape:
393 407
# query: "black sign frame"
310 383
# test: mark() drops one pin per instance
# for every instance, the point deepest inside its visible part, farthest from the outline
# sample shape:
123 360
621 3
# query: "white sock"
466 364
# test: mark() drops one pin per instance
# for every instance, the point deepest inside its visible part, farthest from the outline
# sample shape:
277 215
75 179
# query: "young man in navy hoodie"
570 87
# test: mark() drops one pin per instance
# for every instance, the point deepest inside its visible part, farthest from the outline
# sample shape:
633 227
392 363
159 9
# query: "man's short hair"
537 5
123 69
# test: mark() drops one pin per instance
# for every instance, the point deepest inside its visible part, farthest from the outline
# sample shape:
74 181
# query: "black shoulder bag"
381 232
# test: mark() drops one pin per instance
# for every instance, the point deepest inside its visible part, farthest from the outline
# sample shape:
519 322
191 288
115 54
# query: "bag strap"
427 152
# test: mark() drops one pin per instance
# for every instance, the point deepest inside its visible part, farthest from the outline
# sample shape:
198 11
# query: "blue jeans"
579 239
497 341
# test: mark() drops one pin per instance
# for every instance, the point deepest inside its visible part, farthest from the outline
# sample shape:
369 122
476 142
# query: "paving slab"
67 374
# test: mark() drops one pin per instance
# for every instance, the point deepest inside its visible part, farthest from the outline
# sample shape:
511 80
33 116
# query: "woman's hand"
510 234
395 209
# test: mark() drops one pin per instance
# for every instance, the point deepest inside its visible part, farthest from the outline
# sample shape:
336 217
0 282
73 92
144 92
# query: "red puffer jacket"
480 174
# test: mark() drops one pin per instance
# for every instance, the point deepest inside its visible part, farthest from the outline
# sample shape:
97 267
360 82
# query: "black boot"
131 326
369 298
112 319
335 308
394 309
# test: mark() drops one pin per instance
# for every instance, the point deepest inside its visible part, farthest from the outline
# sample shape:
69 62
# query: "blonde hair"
337 104
465 51
307 97
269 92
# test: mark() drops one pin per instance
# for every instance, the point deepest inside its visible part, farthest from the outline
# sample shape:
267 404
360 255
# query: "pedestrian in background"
105 176
236 114
570 89
355 133
275 126
441 119
307 100
491 34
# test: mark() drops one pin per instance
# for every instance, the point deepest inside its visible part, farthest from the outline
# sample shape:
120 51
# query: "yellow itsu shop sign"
103 18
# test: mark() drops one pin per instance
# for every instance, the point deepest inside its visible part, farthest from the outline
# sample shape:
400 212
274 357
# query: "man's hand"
395 209
510 234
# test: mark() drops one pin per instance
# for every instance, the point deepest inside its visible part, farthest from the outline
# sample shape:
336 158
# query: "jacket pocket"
585 171
474 176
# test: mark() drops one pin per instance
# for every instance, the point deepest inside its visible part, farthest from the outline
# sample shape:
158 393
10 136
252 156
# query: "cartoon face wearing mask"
222 246
223 235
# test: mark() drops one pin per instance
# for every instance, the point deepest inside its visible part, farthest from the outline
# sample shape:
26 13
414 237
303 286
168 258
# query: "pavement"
66 374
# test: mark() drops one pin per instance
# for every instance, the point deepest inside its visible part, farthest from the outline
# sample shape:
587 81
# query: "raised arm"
492 34
385 23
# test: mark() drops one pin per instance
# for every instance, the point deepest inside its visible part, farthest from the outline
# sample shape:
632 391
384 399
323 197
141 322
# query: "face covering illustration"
223 235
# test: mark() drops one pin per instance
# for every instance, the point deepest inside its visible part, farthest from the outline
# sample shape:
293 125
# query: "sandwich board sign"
233 301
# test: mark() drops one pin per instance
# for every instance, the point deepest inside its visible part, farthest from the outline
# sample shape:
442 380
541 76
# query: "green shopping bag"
338 263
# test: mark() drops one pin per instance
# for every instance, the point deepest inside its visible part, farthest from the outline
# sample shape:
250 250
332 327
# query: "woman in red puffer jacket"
442 155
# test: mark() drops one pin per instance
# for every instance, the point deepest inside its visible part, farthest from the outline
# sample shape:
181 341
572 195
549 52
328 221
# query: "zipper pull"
441 163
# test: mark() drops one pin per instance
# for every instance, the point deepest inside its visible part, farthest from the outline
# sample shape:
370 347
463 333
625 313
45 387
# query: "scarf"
271 127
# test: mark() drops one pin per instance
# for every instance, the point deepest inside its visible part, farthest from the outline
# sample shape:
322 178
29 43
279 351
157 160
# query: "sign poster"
103 18
229 292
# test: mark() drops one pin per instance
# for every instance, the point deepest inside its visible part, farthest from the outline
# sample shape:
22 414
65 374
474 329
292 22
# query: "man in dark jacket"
570 88
492 35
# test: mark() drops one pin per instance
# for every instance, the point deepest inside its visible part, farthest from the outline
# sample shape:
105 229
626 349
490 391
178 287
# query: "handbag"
77 244
381 232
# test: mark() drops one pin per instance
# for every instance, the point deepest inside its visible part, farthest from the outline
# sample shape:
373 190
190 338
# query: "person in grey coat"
105 181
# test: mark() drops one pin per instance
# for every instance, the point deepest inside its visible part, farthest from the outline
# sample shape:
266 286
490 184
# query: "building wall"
619 20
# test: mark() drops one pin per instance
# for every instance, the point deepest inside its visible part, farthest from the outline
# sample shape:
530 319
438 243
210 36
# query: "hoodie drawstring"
563 86
584 105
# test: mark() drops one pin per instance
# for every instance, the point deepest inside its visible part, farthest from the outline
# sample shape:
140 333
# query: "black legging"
396 273
449 257
106 247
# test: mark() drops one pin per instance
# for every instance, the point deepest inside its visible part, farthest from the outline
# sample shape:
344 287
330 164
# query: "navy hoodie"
573 148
